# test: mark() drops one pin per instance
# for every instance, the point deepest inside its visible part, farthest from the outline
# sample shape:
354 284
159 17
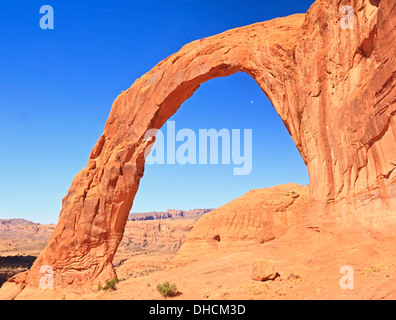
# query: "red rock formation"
333 88
259 216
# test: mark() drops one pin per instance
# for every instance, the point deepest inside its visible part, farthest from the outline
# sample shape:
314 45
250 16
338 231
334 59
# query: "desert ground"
213 257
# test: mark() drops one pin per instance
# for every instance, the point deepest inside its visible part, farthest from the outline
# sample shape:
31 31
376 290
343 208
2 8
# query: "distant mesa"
17 222
168 214
25 229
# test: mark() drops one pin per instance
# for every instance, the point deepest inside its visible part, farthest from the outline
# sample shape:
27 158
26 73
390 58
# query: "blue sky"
57 87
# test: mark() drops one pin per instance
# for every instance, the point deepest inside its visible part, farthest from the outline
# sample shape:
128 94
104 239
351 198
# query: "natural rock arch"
333 88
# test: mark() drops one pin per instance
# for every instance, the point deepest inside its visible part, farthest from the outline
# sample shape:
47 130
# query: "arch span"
314 73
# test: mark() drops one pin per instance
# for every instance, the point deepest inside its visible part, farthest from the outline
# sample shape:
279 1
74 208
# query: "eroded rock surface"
259 216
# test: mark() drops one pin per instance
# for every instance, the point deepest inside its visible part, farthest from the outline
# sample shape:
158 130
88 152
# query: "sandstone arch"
334 89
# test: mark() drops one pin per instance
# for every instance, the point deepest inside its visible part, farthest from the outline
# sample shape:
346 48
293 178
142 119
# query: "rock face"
259 216
334 89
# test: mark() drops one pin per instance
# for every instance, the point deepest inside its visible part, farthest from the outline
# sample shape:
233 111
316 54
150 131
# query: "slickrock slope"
259 216
334 89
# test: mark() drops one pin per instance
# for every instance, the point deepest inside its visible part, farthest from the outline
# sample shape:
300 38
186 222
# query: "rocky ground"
302 259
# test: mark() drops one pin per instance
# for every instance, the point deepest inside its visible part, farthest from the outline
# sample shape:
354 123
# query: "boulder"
263 270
